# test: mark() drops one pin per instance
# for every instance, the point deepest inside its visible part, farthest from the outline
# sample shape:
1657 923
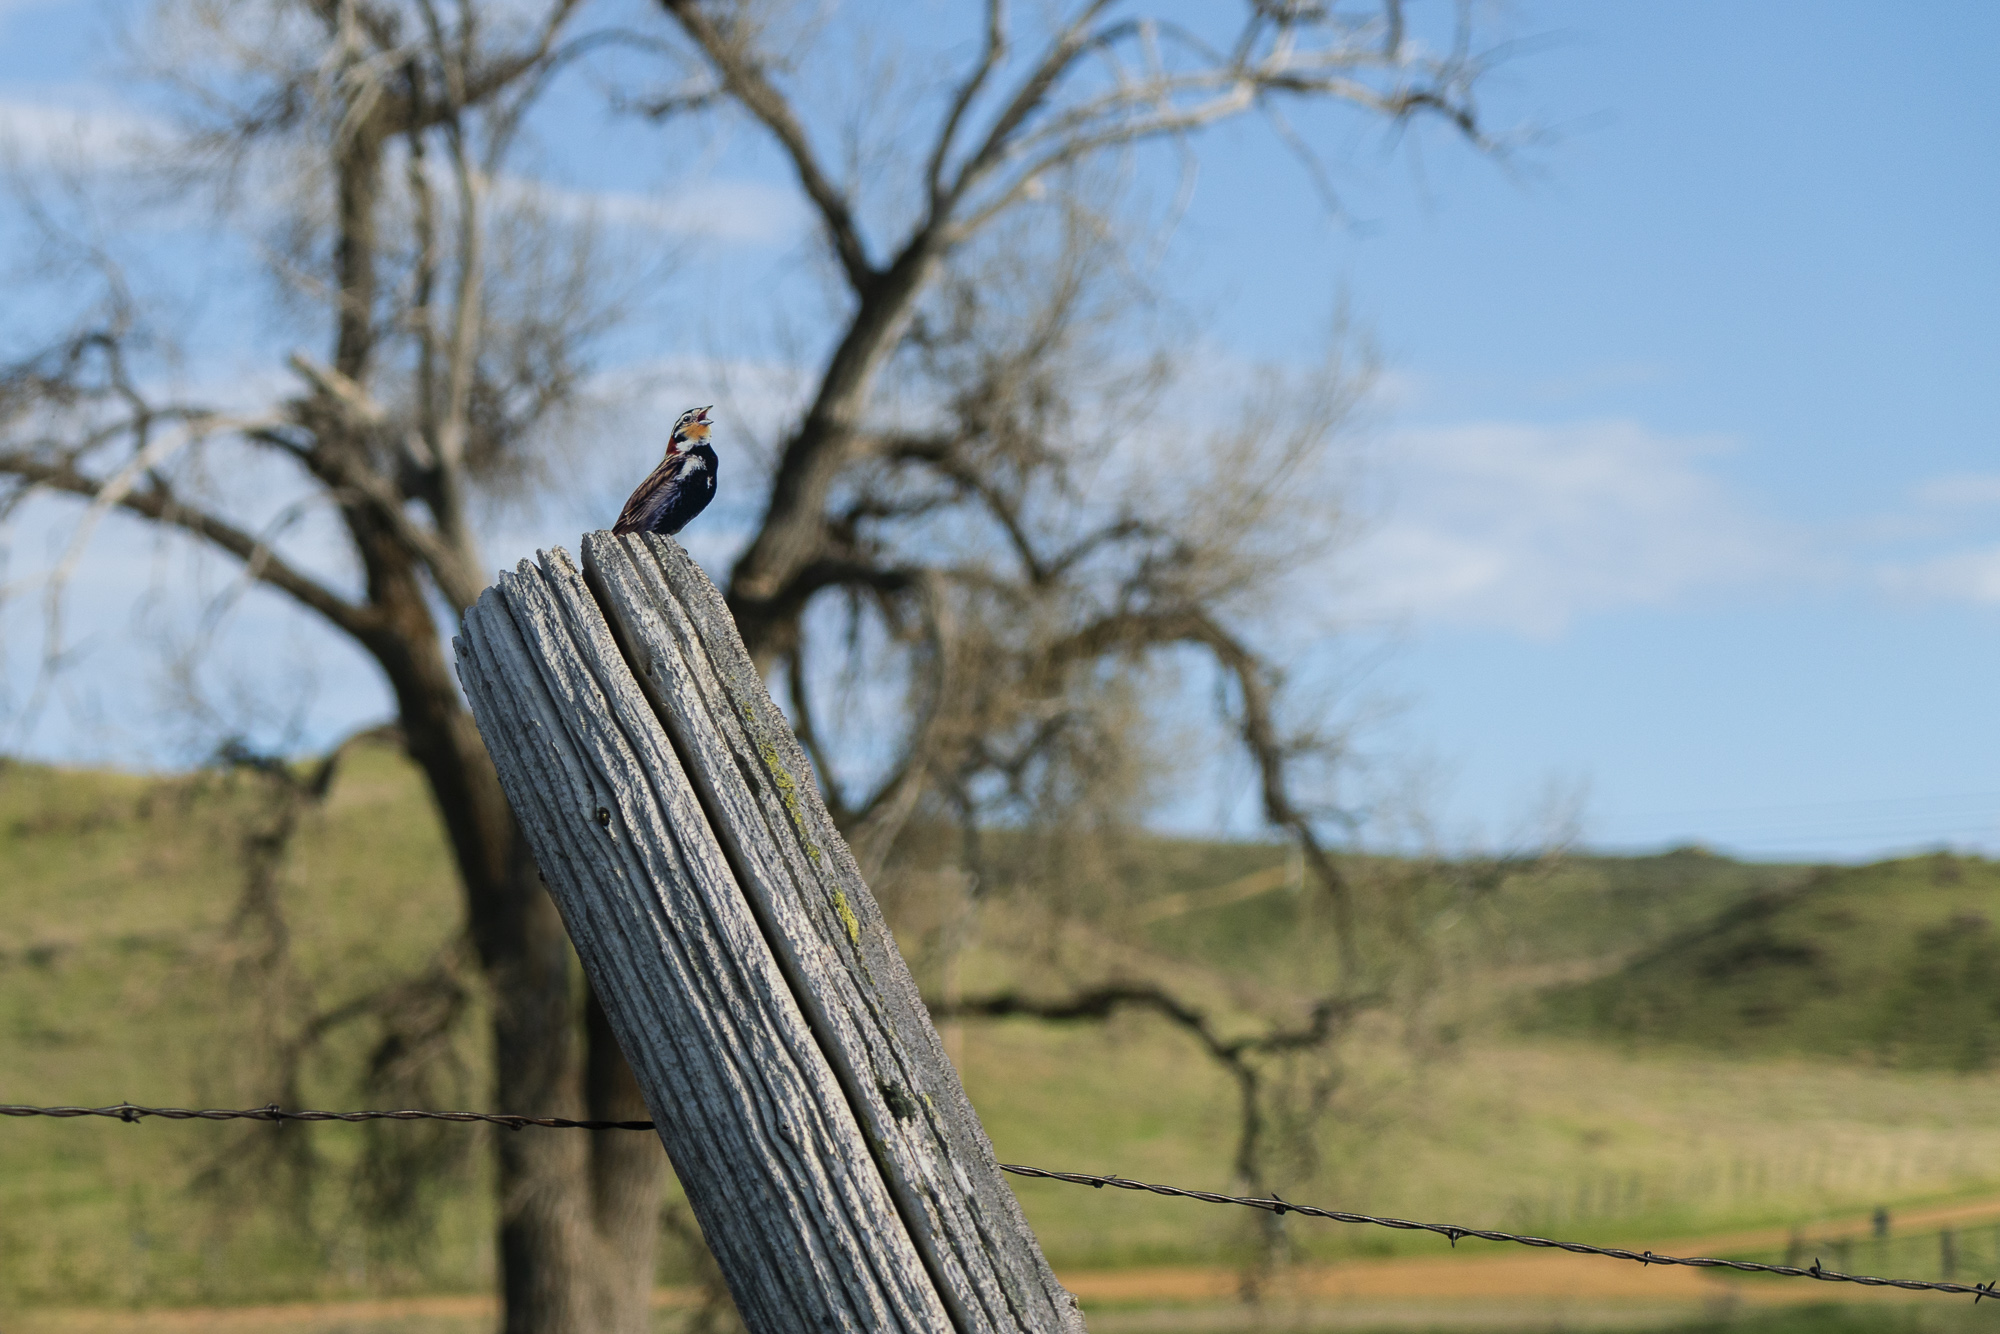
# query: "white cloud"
1962 576
1525 527
1941 545
50 133
742 212
1959 491
78 129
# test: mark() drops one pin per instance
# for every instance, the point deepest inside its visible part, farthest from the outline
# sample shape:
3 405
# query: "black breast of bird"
680 487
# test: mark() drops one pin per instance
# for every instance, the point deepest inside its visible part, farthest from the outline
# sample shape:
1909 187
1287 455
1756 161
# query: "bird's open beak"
697 426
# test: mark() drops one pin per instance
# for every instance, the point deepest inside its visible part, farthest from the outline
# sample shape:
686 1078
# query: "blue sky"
1693 433
1684 496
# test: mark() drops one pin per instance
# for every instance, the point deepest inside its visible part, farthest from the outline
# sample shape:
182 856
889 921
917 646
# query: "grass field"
1541 1102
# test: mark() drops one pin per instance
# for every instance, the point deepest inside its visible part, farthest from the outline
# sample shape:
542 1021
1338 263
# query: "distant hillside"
1896 963
1589 910
126 972
1235 906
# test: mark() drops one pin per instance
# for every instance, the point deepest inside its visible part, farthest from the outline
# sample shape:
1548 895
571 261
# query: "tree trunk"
358 180
577 1220
627 1174
578 1214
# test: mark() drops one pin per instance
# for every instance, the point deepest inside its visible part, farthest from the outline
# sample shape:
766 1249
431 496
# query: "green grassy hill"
1896 964
125 976
128 972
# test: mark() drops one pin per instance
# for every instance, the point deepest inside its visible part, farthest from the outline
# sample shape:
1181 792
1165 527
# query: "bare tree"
995 513
952 476
374 138
961 486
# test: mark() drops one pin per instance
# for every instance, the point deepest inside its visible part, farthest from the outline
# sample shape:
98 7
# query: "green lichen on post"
847 917
781 778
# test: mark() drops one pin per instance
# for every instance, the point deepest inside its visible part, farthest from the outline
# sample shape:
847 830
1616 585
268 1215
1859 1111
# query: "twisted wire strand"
130 1112
1452 1232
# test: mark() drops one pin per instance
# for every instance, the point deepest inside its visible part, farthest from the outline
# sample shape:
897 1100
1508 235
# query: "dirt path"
1514 1280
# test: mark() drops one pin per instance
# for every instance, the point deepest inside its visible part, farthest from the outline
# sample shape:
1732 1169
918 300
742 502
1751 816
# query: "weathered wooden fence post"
824 1141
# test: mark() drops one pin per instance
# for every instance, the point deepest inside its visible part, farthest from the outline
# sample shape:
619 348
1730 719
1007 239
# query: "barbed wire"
130 1112
1452 1232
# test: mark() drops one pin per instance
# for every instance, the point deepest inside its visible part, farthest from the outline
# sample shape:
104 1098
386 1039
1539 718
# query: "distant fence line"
1957 1245
132 1113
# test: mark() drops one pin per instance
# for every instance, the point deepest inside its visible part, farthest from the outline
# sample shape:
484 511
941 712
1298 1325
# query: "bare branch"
160 505
942 455
883 816
354 402
836 572
445 345
993 53
998 144
1328 1017
1256 682
743 75
347 471
1155 104
1100 1002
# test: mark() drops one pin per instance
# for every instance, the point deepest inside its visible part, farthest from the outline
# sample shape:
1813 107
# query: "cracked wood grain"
776 1166
755 784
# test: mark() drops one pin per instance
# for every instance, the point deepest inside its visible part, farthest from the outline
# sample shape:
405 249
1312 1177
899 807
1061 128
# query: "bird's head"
691 428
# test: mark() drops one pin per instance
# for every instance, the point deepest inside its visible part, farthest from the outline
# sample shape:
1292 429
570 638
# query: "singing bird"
680 487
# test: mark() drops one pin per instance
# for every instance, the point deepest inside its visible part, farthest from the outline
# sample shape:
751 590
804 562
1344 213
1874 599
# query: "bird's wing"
651 498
